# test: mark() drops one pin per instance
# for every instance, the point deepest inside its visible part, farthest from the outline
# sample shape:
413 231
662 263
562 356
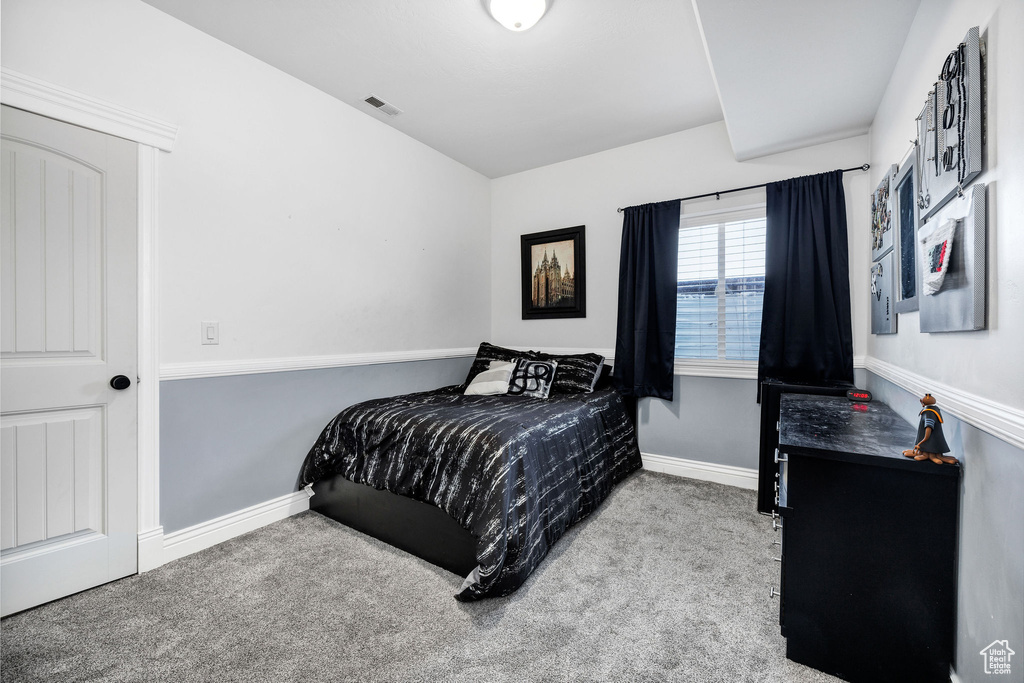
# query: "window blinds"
720 284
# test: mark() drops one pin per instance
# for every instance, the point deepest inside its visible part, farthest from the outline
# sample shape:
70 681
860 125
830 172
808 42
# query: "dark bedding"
516 472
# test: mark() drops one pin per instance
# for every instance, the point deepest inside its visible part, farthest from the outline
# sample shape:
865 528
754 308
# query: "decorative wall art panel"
951 262
881 216
949 130
905 218
883 285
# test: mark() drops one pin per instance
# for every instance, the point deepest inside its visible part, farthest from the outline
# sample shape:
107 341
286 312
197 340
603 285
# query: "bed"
480 485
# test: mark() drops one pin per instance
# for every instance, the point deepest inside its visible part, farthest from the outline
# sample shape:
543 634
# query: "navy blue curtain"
806 324
645 335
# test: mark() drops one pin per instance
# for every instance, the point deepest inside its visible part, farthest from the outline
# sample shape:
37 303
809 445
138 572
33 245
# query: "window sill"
727 369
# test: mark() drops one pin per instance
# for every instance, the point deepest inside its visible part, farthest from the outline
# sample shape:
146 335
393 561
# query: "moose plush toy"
931 445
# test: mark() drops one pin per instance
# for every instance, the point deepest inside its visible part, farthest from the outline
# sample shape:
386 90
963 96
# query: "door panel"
68 459
53 256
52 474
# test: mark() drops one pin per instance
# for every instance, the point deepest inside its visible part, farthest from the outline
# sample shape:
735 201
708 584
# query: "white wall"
302 225
587 191
988 363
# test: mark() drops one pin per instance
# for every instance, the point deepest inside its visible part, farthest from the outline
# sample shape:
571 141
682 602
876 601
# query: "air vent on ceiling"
381 105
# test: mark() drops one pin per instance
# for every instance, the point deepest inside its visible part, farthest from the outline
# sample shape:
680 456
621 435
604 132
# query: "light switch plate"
209 332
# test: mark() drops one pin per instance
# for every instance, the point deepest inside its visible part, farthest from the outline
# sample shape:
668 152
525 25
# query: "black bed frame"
417 528
410 525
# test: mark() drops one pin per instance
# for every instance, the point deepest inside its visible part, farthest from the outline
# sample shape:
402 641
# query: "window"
720 285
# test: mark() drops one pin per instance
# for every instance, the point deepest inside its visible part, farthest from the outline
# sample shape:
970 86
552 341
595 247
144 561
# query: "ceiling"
590 76
800 72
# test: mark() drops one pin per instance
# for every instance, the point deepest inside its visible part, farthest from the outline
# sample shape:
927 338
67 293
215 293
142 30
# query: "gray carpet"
669 580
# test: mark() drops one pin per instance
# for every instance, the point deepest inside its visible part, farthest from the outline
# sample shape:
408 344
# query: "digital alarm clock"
859 395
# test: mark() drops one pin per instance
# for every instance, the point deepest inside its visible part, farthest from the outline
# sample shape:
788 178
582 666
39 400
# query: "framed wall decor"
554 274
951 260
905 216
950 127
881 216
883 284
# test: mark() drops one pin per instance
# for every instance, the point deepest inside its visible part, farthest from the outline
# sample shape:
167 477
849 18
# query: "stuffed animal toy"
931 445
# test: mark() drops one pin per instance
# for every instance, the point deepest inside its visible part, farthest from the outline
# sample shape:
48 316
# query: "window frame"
719 367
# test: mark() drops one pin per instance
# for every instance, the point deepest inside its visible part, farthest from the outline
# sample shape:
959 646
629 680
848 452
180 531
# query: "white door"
68 484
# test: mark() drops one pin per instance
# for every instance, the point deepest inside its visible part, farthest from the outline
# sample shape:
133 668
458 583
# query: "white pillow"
492 381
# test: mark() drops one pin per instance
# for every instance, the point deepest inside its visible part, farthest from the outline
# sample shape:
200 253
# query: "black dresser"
771 393
869 544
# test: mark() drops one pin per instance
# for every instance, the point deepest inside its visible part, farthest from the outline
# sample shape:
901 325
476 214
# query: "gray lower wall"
227 443
711 419
990 590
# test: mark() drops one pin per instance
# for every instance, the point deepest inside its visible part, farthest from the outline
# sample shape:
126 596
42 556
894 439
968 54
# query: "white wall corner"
57 102
740 477
151 549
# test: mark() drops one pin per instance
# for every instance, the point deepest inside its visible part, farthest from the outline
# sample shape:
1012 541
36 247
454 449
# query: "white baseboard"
151 549
740 477
156 549
953 678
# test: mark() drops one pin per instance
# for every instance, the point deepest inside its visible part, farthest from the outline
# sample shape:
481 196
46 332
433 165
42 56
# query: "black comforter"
514 471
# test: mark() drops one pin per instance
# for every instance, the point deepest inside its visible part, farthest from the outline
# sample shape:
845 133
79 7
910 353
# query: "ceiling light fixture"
517 15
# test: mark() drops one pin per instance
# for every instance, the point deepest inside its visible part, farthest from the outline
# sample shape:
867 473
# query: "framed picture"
951 249
949 128
906 216
881 216
554 274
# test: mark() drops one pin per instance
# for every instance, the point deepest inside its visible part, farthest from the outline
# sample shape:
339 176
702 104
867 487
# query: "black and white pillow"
489 352
577 374
532 378
493 381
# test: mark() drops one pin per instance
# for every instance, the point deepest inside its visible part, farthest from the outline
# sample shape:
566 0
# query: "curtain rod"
716 195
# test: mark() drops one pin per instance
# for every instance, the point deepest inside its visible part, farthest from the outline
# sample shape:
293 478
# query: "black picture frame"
555 298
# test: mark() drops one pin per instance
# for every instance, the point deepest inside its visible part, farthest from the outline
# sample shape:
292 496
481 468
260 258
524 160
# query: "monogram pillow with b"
532 378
